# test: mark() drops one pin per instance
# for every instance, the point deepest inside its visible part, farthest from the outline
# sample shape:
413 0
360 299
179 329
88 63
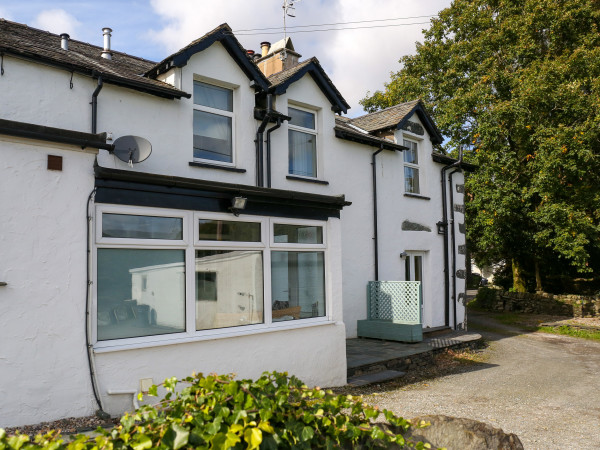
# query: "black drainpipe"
444 225
453 243
259 142
453 232
269 131
95 104
375 236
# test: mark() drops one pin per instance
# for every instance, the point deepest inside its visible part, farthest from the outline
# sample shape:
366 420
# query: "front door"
413 271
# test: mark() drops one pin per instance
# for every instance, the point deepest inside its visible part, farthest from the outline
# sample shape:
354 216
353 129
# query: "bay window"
302 140
194 274
213 123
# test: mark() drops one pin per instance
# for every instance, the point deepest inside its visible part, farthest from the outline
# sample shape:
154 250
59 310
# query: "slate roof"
386 118
344 129
281 80
123 69
395 116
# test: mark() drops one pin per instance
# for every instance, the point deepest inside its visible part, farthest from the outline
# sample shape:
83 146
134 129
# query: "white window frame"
190 244
412 166
218 112
314 132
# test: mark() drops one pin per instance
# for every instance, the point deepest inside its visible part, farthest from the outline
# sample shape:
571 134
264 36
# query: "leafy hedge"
274 412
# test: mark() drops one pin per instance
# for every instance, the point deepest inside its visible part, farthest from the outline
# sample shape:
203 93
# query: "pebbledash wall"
44 372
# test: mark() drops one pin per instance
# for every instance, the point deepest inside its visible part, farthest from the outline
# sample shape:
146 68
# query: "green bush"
486 298
274 412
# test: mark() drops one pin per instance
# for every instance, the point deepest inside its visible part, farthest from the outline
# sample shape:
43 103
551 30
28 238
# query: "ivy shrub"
218 412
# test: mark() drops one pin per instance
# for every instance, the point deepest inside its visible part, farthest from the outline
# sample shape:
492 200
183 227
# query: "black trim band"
142 189
42 133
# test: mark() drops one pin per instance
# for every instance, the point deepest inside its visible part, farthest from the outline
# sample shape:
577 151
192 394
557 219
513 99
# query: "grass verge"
566 330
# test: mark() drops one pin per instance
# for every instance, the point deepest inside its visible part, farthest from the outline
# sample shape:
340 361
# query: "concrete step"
436 331
374 377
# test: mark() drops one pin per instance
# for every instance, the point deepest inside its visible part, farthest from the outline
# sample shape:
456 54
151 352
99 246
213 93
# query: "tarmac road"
544 388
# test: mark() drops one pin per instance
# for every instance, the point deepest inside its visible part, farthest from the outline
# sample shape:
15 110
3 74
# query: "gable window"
213 123
302 138
411 168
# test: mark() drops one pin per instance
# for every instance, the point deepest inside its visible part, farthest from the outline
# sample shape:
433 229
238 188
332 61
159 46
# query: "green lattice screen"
398 301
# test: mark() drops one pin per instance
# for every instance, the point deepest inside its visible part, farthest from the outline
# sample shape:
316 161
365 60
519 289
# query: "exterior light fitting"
238 204
403 255
441 227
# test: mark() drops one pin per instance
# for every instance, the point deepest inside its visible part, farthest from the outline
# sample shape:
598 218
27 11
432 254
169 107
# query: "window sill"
214 166
419 196
226 333
308 180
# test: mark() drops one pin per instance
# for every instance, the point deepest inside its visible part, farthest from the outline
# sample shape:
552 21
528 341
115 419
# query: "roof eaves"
445 159
350 135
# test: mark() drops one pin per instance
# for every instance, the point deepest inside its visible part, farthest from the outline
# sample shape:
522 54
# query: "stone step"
374 377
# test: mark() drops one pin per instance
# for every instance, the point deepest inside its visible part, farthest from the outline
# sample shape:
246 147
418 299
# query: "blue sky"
356 60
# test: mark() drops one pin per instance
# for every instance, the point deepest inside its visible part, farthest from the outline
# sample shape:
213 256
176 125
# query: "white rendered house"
114 275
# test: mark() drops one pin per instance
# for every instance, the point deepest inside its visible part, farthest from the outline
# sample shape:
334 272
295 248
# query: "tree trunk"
538 278
518 277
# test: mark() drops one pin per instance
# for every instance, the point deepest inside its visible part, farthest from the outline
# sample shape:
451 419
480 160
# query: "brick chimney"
277 57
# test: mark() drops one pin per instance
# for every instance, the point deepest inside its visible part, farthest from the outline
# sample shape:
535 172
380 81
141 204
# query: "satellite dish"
132 149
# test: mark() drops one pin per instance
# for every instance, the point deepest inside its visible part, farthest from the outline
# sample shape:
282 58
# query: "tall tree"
518 81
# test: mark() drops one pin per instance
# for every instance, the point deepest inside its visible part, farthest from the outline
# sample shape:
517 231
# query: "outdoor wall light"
403 255
238 204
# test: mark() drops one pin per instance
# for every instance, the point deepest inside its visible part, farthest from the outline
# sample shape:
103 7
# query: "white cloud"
57 21
356 60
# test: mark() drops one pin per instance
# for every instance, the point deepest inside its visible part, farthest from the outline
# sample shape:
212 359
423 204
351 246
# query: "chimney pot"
265 47
250 53
106 53
64 41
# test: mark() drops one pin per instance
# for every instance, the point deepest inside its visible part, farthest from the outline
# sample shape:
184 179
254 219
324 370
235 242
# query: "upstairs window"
213 123
302 137
411 168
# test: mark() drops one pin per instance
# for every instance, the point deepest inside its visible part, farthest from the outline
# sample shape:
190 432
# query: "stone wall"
543 303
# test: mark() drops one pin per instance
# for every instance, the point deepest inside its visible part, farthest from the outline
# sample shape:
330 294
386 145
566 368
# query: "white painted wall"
44 372
43 362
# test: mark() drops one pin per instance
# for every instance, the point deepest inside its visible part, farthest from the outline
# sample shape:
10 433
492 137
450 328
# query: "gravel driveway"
543 387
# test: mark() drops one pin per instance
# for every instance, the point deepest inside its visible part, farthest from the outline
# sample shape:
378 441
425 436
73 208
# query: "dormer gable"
282 80
224 35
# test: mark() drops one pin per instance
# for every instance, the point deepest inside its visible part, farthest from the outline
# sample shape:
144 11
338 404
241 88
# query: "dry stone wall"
544 303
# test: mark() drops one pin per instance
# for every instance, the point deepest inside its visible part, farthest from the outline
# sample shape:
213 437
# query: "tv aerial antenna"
132 149
288 10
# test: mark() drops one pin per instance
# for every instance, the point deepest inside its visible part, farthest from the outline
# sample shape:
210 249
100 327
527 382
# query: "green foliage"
486 298
519 82
217 412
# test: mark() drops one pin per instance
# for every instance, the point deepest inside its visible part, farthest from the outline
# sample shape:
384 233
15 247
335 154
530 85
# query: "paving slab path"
543 387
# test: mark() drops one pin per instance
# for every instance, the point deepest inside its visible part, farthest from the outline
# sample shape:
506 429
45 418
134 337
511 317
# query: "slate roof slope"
345 130
395 116
281 80
386 118
123 69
